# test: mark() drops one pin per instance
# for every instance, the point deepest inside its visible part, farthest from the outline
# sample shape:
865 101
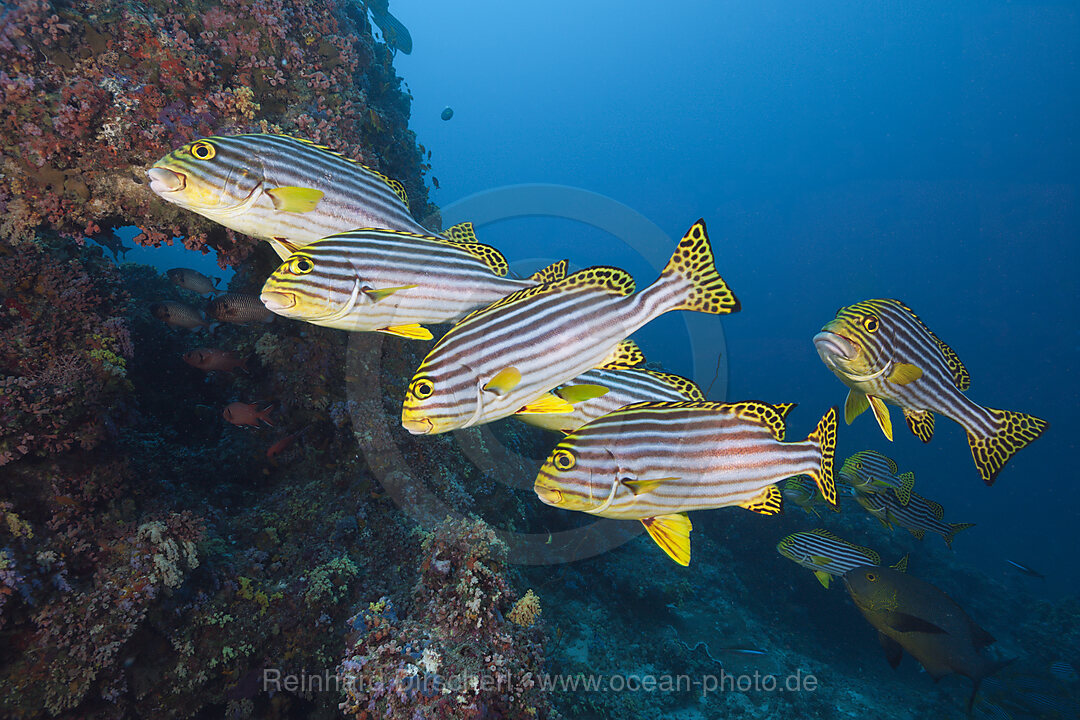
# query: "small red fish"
208 359
283 444
241 413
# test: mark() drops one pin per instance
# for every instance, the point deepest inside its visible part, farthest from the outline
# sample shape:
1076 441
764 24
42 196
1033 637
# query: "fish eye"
203 150
858 465
422 388
871 577
563 460
870 323
301 265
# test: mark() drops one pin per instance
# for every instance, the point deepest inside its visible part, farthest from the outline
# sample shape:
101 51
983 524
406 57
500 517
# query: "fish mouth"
277 301
833 346
418 426
547 495
163 180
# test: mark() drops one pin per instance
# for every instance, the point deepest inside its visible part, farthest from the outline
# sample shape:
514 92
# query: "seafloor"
156 563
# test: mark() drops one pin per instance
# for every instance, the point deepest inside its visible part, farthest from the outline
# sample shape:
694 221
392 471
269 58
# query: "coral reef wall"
92 93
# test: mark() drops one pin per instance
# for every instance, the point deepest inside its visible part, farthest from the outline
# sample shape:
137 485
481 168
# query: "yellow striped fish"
655 461
606 389
802 491
829 556
393 282
869 471
507 357
884 353
282 189
918 515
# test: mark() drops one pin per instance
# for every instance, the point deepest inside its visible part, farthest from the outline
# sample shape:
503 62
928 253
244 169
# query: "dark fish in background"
884 353
112 242
1026 570
193 280
238 308
394 33
241 413
447 113
911 614
284 444
208 359
178 315
1063 671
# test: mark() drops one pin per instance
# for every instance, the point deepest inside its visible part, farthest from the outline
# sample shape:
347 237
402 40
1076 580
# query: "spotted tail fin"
955 528
824 438
693 270
1013 431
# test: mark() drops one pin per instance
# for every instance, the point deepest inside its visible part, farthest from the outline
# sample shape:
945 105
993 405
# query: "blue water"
838 151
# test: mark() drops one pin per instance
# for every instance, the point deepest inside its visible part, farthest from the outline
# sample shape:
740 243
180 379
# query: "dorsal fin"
687 388
872 554
553 272
463 232
961 377
611 279
625 356
764 413
936 509
394 185
487 254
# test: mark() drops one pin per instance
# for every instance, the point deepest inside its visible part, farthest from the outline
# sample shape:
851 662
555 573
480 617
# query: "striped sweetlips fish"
653 462
918 516
507 357
869 471
802 491
392 281
884 353
285 190
606 389
827 555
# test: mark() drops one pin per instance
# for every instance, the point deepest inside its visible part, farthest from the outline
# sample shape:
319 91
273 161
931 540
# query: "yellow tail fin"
694 264
824 436
1013 432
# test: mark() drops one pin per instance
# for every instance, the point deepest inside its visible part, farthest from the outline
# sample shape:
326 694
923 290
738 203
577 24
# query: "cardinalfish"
242 413
178 314
615 385
210 359
827 555
392 282
871 472
238 308
802 491
654 462
282 189
884 353
193 280
918 516
507 357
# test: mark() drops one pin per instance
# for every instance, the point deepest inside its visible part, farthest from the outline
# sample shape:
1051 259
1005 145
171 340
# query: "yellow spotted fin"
412 332
920 423
672 534
547 404
693 266
955 528
489 255
881 414
687 388
767 502
903 490
295 199
551 273
626 355
463 232
901 564
1012 432
824 436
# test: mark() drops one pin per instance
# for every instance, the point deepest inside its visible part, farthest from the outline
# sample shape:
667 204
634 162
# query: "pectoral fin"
547 404
377 295
821 560
905 373
580 393
855 405
295 199
672 534
412 332
823 578
643 486
504 381
901 564
893 650
902 622
881 414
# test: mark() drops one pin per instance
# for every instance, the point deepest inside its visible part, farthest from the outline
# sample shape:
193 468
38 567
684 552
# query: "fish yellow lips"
275 301
547 495
830 344
163 180
421 426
